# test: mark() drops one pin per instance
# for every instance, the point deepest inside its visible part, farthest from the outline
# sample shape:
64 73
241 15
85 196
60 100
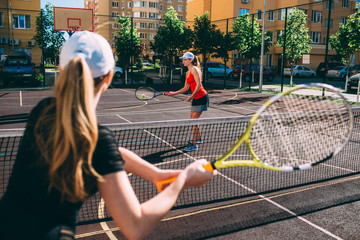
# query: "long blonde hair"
67 140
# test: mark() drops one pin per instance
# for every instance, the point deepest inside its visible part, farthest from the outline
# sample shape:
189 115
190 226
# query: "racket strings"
298 130
144 93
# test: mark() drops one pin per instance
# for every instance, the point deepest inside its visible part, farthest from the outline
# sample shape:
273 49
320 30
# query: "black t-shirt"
28 209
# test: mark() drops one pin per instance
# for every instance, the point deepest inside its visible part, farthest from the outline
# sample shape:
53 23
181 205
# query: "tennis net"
162 144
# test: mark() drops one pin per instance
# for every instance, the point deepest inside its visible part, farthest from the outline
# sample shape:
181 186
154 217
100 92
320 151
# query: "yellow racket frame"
220 162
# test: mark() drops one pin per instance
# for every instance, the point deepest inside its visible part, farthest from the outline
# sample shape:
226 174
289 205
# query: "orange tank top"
191 81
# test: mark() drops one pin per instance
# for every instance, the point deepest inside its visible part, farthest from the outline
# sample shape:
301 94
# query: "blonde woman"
65 157
199 97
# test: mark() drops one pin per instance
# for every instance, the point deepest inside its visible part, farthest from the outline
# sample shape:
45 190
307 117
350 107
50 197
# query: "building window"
278 33
129 4
114 14
259 14
271 15
151 36
326 23
115 26
315 37
142 25
180 8
243 11
153 15
281 14
153 25
180 18
142 35
343 20
316 16
345 3
1 19
271 37
140 4
268 60
153 5
21 21
115 4
327 5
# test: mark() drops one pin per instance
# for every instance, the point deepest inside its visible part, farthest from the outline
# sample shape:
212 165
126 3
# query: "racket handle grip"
166 93
161 185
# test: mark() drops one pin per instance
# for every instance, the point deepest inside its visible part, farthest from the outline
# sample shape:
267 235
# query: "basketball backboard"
73 19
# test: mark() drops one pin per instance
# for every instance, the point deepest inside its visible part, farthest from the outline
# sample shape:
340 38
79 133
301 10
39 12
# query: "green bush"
37 80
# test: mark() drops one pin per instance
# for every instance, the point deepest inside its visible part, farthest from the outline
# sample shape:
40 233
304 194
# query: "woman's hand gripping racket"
292 131
147 93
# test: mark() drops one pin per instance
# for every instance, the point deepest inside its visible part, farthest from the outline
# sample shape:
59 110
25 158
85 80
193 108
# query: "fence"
20 37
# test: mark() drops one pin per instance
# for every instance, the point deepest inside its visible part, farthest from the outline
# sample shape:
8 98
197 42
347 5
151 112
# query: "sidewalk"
275 87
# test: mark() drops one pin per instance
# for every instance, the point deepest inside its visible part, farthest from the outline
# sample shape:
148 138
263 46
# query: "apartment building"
17 27
147 17
317 21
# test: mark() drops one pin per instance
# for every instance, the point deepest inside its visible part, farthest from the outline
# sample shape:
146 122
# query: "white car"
146 63
338 72
300 71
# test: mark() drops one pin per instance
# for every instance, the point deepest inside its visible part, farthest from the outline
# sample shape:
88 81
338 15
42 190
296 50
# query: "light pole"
12 27
262 48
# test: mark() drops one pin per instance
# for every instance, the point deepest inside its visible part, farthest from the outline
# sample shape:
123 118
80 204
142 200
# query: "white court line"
251 190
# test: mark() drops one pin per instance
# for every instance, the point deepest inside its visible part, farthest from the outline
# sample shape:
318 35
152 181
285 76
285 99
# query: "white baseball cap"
93 48
187 55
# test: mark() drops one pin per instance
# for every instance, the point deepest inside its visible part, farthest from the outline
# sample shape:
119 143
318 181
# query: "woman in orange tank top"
199 97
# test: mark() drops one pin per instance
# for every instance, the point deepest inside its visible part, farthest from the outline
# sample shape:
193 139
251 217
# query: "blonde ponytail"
71 140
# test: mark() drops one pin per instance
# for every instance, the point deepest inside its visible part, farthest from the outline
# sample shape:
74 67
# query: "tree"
297 38
247 37
173 37
226 43
206 38
127 42
46 37
341 42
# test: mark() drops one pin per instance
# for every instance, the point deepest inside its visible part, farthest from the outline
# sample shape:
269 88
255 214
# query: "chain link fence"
18 30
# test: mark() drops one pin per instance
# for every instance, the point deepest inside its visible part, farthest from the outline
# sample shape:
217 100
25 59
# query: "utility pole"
262 48
12 27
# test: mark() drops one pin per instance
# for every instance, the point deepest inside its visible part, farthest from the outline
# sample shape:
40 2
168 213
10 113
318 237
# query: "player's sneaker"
191 147
199 141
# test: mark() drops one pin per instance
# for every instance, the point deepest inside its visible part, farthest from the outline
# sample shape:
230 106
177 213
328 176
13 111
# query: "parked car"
353 82
300 71
355 69
217 69
247 73
321 71
118 72
338 72
18 67
147 63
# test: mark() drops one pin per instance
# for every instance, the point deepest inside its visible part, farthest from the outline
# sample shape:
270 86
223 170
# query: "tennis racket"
291 131
147 93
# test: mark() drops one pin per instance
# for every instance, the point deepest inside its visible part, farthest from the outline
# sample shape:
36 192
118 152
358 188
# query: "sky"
63 3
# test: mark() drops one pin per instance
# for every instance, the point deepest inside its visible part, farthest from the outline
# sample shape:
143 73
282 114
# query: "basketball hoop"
73 19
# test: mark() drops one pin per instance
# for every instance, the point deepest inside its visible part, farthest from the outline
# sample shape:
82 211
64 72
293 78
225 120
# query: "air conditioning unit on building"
245 1
4 40
15 41
31 43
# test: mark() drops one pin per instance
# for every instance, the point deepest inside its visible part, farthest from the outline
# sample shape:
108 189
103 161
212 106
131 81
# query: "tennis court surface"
241 202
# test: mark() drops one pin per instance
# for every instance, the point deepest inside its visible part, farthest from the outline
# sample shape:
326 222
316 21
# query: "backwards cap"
93 48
